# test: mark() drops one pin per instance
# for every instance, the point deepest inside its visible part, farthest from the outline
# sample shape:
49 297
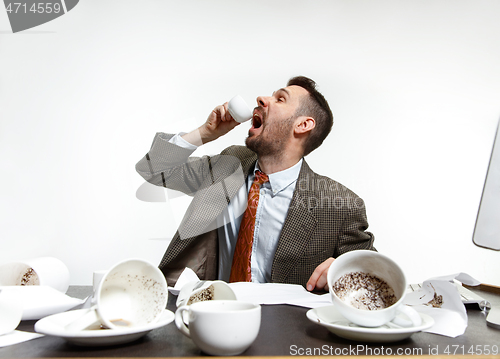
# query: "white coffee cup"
198 291
239 109
220 327
97 278
11 312
131 294
381 266
48 271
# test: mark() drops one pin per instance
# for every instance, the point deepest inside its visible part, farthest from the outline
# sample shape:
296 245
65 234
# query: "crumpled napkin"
187 276
440 299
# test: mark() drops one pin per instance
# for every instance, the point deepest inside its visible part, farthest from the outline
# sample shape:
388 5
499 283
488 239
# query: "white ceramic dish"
330 318
54 325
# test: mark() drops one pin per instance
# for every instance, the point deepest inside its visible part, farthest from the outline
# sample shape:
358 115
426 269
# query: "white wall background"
414 86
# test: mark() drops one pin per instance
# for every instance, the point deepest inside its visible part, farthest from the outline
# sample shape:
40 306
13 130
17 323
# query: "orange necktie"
241 267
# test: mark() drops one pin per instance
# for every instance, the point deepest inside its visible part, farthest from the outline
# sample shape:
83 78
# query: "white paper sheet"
263 293
187 276
40 301
16 337
279 293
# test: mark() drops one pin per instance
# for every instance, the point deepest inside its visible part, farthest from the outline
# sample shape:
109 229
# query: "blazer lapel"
298 226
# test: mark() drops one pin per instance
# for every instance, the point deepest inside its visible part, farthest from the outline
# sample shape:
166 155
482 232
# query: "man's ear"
304 125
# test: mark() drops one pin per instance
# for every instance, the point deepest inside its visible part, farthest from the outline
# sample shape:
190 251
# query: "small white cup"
199 291
48 271
131 294
220 327
97 278
383 267
11 312
239 109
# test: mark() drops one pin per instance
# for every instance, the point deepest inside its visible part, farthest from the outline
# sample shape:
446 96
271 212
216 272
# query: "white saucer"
54 325
330 318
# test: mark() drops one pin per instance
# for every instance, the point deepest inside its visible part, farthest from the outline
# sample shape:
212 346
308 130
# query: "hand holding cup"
239 109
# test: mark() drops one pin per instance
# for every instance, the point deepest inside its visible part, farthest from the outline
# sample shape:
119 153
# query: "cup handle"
412 314
179 320
87 319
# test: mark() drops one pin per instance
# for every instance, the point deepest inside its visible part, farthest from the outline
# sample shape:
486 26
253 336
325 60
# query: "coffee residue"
121 322
29 278
202 295
437 300
364 291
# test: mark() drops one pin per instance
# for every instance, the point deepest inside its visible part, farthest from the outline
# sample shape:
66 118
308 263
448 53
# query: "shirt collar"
281 180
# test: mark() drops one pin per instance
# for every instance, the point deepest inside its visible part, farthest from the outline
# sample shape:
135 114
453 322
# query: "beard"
272 139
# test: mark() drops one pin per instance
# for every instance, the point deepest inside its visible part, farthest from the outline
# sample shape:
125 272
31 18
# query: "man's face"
273 119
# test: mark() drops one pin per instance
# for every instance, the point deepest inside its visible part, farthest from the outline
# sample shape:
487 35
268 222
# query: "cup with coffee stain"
368 289
133 293
204 290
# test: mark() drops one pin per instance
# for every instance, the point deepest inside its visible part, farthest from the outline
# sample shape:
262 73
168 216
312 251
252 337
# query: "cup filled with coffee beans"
368 289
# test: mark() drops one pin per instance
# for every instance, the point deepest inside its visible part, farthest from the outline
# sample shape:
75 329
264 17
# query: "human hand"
218 123
318 278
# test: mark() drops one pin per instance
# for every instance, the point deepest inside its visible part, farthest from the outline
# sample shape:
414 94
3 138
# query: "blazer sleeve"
171 166
353 233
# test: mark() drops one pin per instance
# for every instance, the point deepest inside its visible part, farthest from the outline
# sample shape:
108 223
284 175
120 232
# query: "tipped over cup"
368 289
11 312
133 293
204 290
47 271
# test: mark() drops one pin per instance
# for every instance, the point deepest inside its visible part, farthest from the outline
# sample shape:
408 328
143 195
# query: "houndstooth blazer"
325 219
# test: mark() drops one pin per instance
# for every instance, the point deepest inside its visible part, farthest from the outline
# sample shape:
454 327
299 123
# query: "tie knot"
260 177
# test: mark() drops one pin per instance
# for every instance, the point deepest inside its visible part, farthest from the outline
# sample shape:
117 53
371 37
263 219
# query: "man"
259 212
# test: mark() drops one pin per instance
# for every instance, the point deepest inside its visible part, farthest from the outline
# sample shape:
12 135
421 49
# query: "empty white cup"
132 294
220 327
239 109
381 266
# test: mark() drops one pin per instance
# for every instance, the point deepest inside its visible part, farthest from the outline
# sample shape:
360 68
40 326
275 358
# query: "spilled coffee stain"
121 322
436 301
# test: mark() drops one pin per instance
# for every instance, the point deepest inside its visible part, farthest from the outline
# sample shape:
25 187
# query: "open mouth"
256 120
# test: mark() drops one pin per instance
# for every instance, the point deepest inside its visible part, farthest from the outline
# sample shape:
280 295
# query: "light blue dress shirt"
274 201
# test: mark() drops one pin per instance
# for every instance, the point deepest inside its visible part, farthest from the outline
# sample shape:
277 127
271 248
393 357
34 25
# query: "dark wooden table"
285 331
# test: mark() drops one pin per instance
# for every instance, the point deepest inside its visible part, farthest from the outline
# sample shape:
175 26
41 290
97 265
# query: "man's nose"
263 101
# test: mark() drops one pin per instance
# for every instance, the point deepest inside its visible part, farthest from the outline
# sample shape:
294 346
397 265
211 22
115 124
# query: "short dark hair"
315 106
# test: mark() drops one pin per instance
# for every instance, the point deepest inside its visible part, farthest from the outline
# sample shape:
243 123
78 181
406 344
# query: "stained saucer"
54 325
330 318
